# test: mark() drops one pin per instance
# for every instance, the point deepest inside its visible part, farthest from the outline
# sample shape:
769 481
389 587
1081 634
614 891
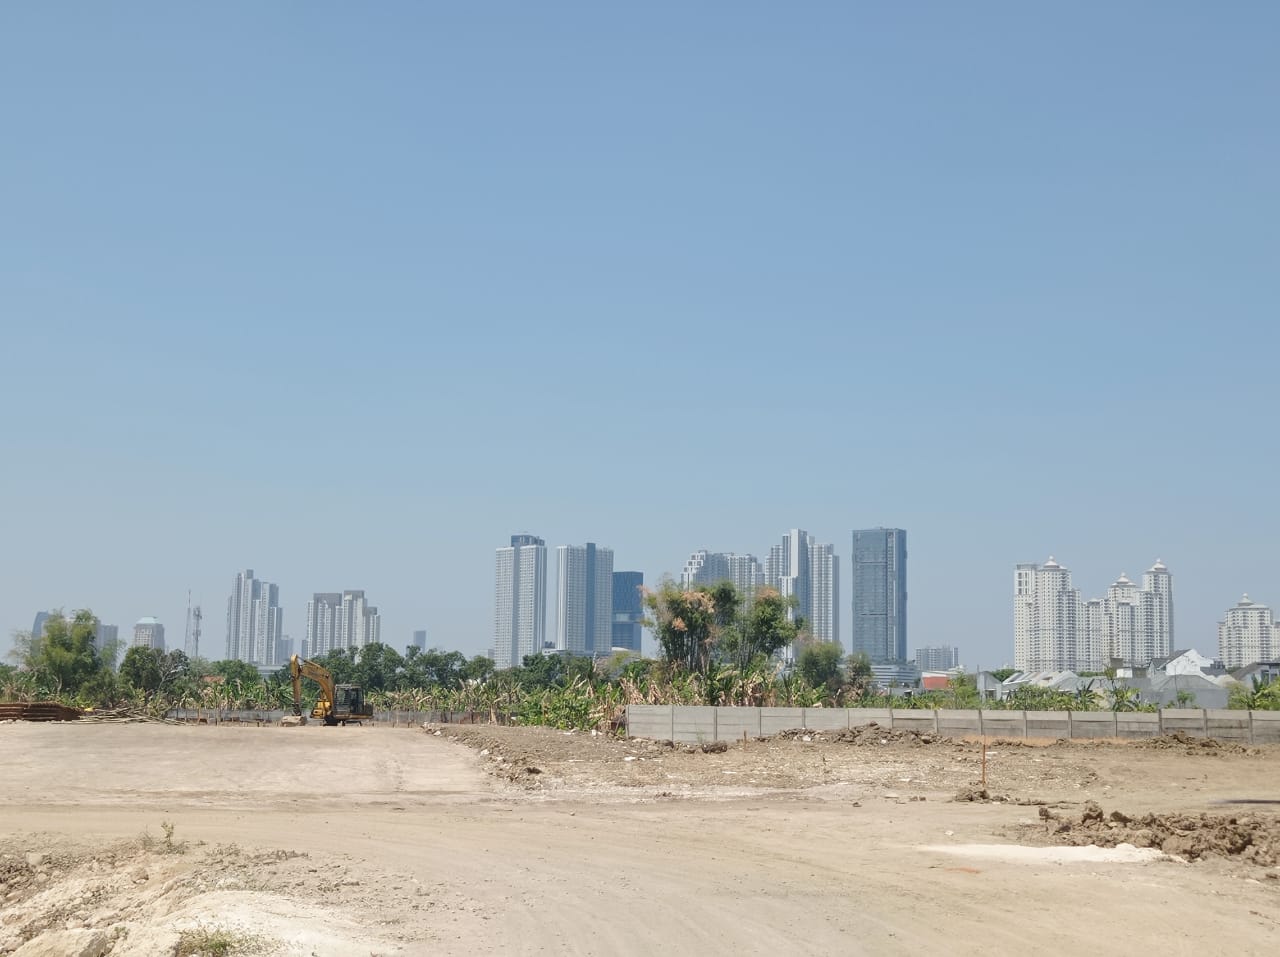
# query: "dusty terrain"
154 839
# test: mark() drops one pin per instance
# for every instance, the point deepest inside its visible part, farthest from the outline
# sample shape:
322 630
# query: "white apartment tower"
1248 634
1054 629
148 633
584 599
255 620
520 600
341 620
801 568
709 568
1047 618
824 593
788 570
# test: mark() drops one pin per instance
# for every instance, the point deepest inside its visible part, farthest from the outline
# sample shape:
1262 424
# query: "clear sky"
348 293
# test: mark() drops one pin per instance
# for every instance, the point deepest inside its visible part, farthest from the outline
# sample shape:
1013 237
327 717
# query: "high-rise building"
1248 634
824 593
1054 629
255 621
520 601
787 569
711 568
1048 616
37 627
323 611
628 610
341 620
148 633
419 640
584 599
937 658
879 602
1155 635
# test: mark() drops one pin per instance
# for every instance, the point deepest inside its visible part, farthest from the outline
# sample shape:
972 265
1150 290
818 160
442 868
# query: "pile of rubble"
867 735
1245 837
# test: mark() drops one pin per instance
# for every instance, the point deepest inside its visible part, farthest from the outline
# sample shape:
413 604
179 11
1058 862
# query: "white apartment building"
1055 630
341 620
584 599
520 600
148 633
809 571
255 621
787 569
709 568
1248 634
824 593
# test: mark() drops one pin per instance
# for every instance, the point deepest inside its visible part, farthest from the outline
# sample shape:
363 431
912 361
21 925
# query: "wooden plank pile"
37 711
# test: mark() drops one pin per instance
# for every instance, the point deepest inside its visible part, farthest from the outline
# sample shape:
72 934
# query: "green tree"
150 670
1001 674
234 671
685 623
819 665
377 668
66 655
762 629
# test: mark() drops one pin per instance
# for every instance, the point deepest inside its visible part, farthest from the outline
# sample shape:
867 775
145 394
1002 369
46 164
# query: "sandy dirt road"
342 841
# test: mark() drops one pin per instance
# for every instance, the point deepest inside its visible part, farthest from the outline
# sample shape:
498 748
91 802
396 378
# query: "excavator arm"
300 668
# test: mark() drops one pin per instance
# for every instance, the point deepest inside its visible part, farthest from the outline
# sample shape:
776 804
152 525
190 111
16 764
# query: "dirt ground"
137 840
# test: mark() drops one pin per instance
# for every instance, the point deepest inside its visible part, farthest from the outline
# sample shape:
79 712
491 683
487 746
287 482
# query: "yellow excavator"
337 704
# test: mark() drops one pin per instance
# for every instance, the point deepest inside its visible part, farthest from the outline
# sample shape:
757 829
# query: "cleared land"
133 839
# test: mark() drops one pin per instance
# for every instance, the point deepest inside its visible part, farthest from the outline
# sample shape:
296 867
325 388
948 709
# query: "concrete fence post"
936 729
890 719
715 724
1160 721
1115 724
1251 726
1204 721
1024 724
1070 727
982 726
673 723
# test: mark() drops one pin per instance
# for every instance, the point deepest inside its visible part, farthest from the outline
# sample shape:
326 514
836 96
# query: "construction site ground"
136 840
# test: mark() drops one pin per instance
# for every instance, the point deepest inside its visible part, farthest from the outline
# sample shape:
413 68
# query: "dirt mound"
1252 838
1179 741
867 735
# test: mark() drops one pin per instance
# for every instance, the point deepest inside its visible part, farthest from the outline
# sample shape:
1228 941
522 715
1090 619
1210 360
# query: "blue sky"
349 293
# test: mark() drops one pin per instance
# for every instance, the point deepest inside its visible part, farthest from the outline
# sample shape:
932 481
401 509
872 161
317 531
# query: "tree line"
716 648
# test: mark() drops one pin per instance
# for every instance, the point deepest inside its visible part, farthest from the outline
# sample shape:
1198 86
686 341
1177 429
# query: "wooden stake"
984 761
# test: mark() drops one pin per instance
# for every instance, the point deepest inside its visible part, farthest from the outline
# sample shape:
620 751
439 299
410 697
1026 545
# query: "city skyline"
830 268
1117 592
1055 628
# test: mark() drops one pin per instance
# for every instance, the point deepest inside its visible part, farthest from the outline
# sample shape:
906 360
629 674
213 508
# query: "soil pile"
867 735
1250 838
1179 741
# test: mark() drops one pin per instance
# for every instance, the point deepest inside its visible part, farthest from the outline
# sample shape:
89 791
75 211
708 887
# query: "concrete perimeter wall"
692 725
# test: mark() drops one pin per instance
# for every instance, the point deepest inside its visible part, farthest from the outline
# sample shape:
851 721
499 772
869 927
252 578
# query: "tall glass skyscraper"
880 594
628 610
584 599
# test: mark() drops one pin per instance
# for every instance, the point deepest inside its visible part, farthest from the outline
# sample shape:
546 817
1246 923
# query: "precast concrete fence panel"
691 724
656 721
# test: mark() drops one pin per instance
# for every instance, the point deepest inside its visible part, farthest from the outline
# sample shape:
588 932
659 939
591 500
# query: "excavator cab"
348 703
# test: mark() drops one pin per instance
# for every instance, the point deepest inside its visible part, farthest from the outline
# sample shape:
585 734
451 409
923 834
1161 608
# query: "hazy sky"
348 293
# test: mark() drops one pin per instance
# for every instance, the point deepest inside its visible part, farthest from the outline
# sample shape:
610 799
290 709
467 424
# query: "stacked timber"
37 711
